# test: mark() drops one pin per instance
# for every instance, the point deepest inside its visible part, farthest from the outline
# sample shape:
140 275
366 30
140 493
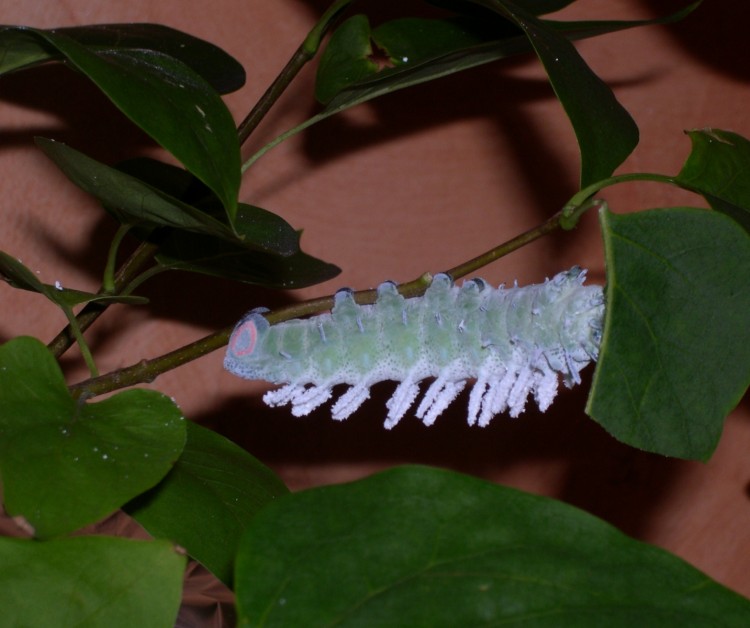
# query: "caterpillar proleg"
513 341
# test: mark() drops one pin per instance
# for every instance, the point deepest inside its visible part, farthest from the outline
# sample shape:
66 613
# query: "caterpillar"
513 341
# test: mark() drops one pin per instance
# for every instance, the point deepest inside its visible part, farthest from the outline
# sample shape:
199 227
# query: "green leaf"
346 59
719 169
410 41
17 275
130 200
66 463
605 131
674 358
437 48
90 581
210 256
208 498
169 101
21 48
254 228
311 44
426 547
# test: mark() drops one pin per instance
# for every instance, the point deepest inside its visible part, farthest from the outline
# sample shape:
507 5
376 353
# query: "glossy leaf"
90 581
346 59
130 200
719 168
210 256
255 228
66 463
425 547
21 48
675 357
169 101
134 201
207 499
17 275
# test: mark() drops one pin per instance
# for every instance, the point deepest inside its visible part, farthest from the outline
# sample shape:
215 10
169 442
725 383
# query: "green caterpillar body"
513 341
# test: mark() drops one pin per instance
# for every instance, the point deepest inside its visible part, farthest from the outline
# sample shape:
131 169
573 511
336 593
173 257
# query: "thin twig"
86 317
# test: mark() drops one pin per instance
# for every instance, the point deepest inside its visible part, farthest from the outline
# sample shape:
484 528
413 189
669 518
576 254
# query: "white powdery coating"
514 342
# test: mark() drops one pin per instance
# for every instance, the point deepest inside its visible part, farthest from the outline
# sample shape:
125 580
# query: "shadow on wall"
577 461
714 35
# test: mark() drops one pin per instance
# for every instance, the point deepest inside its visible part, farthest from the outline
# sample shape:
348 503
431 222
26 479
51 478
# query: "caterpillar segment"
513 342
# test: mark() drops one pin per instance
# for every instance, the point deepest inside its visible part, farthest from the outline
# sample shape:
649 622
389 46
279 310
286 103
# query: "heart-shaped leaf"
207 499
675 356
427 547
66 463
90 581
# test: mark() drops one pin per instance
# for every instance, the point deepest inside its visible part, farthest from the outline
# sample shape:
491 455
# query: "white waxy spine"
512 341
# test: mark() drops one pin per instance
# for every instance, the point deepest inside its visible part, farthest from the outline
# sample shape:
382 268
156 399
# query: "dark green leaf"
173 180
130 200
674 359
90 581
425 547
740 214
442 47
222 71
210 256
409 42
435 48
330 16
605 131
415 40
21 48
346 59
66 463
719 168
583 29
169 101
255 228
262 230
207 499
17 275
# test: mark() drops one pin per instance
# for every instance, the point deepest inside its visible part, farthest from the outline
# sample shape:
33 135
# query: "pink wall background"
418 182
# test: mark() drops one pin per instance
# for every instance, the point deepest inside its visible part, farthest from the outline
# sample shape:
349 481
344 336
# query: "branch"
147 371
